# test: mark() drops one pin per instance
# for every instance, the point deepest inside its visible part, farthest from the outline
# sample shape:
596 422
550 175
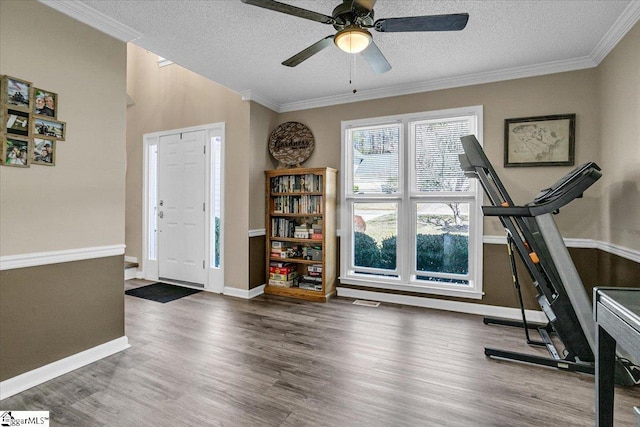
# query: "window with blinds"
411 219
376 159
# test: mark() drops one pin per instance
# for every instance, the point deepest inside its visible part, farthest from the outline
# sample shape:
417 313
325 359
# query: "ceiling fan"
352 18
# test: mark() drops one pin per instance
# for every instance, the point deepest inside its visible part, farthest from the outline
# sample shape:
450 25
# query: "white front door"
181 207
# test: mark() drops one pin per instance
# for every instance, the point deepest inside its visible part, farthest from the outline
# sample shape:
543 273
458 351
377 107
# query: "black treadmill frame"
523 234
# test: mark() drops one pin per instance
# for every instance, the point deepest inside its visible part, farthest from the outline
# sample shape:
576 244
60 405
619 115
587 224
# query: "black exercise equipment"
533 235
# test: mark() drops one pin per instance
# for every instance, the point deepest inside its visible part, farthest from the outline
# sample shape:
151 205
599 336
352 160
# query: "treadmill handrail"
518 211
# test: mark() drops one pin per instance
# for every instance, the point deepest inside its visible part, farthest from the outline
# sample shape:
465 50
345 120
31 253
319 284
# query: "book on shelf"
280 264
281 283
316 254
296 183
282 227
281 270
310 279
302 204
279 254
284 276
315 268
310 286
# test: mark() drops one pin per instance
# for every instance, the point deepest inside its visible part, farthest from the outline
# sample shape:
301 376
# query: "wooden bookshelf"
297 200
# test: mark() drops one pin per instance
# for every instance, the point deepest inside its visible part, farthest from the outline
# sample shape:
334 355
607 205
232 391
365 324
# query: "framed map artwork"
540 141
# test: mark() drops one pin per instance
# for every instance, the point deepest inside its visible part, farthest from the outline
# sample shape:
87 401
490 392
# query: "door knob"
161 214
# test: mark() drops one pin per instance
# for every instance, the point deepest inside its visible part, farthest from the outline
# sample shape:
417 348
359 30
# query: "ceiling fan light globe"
352 40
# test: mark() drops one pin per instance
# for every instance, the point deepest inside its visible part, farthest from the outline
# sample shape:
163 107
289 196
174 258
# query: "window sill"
395 285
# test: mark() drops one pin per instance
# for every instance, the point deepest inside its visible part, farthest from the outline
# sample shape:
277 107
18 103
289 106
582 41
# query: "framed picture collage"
30 127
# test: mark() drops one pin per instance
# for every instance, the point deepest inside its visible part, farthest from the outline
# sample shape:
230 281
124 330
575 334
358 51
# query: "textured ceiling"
242 46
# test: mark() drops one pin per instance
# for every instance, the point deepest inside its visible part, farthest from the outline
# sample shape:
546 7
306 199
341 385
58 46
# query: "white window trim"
408 196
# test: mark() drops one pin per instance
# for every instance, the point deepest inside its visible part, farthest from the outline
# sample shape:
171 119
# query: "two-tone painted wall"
62 227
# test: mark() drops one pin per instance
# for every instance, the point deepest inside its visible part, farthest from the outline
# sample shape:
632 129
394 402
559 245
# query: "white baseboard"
257 291
131 259
242 293
48 372
130 273
439 304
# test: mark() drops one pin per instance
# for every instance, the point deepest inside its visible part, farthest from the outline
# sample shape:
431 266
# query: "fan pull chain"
352 67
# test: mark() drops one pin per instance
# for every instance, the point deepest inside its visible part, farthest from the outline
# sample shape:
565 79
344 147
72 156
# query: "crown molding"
252 95
445 83
620 28
87 15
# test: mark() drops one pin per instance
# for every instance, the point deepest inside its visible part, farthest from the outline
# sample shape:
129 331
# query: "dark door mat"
161 292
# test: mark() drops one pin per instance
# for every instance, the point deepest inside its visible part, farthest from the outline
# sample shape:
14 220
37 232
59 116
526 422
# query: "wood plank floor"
211 360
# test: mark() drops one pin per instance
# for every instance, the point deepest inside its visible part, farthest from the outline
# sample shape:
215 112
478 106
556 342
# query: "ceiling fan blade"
291 10
452 22
309 52
376 59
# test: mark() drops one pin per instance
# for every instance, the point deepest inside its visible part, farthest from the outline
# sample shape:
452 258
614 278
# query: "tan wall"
619 82
263 121
571 92
79 202
53 311
172 97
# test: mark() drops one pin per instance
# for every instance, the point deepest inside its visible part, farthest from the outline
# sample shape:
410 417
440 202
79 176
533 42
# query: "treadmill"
533 235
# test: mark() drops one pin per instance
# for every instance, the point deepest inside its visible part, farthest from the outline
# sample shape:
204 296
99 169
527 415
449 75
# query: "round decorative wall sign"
291 143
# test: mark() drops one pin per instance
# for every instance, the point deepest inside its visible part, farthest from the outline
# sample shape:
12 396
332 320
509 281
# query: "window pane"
216 181
442 240
437 148
153 202
375 159
375 227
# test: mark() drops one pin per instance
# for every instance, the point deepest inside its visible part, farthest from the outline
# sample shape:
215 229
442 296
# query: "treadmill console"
568 188
590 169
